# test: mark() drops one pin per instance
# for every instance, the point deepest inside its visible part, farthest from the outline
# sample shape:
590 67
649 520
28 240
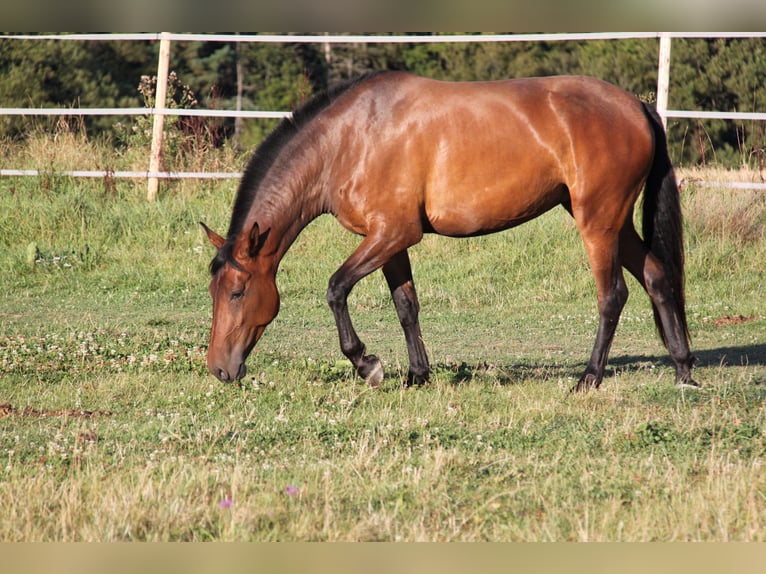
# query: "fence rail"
205 113
260 114
153 173
381 39
125 174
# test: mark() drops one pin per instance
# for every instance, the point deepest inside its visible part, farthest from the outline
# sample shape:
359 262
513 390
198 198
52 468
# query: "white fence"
153 174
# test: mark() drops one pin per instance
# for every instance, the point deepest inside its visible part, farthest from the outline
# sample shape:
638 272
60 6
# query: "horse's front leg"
367 366
398 274
371 255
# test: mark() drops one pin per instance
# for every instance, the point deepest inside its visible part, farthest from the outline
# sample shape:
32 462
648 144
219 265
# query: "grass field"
111 429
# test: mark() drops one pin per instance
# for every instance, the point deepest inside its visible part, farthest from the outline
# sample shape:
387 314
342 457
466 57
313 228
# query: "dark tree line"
714 74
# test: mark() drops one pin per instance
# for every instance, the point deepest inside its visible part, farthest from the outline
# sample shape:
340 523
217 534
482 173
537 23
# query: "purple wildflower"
225 503
292 490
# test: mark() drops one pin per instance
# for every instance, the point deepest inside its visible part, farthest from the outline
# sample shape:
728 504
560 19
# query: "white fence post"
663 78
159 119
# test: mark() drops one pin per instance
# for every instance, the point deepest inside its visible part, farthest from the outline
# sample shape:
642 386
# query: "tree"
630 64
277 77
717 75
706 74
53 73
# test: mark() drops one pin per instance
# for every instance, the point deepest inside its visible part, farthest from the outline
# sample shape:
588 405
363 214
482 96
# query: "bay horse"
394 156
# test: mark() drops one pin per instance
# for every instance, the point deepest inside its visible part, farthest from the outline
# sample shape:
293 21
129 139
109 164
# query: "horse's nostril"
223 375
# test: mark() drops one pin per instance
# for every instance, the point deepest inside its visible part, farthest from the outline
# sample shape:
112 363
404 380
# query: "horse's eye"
237 294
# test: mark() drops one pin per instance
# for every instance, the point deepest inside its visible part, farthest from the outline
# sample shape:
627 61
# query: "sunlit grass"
111 429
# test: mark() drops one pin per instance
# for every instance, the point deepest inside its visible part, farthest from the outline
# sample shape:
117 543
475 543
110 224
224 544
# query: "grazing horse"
393 156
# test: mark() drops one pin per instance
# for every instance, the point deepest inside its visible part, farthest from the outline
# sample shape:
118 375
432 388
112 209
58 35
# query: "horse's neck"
287 209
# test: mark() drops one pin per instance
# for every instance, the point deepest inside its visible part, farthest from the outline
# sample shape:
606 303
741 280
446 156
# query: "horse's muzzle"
225 375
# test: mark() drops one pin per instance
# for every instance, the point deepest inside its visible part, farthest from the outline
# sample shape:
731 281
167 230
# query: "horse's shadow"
722 356
514 374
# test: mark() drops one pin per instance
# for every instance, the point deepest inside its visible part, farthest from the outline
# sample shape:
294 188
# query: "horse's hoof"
586 383
414 380
375 376
684 376
688 384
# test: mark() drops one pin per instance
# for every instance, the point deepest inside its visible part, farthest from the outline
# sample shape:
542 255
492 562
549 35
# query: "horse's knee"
614 300
336 296
406 304
656 280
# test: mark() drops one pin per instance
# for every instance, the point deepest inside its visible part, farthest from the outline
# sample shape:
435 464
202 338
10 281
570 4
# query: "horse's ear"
253 240
214 238
256 239
249 243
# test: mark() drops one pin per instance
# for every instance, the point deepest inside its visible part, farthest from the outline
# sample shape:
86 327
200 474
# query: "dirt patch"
727 320
7 409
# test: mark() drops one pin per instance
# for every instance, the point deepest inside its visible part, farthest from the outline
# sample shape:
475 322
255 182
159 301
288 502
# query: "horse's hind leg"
612 295
650 273
399 277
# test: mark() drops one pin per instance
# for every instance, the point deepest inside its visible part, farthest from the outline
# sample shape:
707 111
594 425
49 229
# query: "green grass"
111 428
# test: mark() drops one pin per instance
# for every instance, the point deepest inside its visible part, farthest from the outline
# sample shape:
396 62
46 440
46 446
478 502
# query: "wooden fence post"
663 78
159 118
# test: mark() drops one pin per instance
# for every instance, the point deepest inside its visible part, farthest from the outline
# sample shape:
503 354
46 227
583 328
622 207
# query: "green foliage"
185 139
49 73
718 75
715 74
630 64
278 77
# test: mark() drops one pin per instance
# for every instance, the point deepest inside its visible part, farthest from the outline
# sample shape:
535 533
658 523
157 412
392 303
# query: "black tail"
662 220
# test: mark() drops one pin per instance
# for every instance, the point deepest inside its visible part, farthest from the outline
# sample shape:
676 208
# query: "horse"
393 156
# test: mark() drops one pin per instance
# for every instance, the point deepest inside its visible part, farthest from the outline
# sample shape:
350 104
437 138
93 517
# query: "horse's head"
245 301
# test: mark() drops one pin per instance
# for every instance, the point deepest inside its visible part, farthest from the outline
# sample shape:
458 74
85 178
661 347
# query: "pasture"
111 428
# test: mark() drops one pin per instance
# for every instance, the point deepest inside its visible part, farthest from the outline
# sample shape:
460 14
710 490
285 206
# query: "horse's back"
476 157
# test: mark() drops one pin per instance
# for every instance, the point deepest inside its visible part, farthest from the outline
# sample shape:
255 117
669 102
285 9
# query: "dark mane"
265 155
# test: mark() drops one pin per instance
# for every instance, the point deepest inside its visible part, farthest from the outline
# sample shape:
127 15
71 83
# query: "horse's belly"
485 211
